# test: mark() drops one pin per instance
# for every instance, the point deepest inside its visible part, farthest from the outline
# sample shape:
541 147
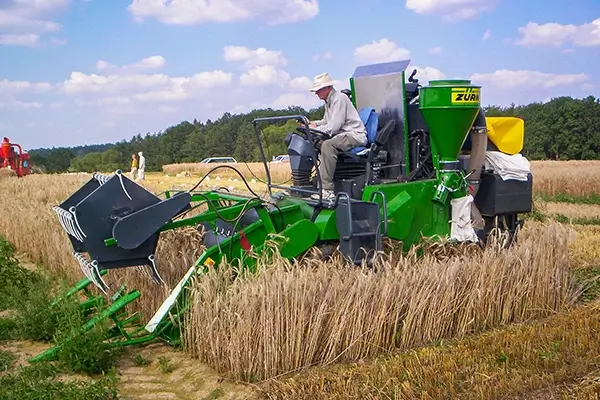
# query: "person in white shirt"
342 123
141 167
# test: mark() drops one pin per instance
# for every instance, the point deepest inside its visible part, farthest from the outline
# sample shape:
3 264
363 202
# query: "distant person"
142 167
134 167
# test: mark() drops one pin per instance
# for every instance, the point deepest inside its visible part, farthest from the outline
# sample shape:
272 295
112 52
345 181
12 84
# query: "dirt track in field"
188 380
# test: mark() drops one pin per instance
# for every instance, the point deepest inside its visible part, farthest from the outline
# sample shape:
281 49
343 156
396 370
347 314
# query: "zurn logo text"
465 95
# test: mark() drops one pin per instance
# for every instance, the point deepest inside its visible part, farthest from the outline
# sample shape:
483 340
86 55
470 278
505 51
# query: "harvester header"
428 170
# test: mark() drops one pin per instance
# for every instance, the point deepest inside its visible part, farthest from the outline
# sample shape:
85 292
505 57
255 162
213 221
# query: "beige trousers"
329 154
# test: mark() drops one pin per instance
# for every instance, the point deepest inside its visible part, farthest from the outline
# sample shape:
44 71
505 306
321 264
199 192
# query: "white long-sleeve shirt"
341 117
142 162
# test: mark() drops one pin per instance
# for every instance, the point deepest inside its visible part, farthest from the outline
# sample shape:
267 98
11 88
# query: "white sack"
508 166
461 228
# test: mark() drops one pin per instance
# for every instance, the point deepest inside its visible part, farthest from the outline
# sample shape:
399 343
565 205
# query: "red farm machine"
13 157
435 166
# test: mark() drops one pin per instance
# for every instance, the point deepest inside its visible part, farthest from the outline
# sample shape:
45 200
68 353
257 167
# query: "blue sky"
94 71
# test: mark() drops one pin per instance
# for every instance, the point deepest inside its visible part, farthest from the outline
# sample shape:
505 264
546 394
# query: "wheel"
506 227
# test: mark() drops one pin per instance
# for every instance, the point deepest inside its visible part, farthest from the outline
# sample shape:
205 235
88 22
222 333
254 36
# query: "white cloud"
301 83
28 39
435 50
380 51
486 35
324 56
426 74
7 86
138 96
128 84
306 100
555 34
264 75
452 10
121 93
507 79
252 58
22 21
20 104
191 12
148 63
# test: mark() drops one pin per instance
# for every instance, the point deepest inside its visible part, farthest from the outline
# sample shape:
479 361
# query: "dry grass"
585 250
319 313
31 225
287 318
160 183
566 178
280 173
7 173
548 359
551 178
569 210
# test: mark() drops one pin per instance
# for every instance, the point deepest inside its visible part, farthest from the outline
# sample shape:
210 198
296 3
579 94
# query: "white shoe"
328 195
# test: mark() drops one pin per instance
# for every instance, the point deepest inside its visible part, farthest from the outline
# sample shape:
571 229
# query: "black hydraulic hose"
225 166
244 210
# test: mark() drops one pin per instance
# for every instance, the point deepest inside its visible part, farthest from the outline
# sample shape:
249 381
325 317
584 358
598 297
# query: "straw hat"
321 81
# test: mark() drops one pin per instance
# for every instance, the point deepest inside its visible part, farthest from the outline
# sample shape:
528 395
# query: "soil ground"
177 377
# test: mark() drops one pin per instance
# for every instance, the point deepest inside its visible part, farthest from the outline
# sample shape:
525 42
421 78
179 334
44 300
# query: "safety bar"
384 204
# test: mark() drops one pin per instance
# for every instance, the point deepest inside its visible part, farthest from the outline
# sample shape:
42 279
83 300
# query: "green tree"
563 128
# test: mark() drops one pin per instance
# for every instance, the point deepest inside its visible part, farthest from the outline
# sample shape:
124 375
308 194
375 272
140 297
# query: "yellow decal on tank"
465 96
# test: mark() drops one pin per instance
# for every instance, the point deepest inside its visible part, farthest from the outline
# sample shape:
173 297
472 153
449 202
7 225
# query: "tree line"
561 129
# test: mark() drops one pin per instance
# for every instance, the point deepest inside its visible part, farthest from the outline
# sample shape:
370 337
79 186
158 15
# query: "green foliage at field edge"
38 315
41 381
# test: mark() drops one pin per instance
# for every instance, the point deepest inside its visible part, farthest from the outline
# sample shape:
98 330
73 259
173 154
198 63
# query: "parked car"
281 159
220 160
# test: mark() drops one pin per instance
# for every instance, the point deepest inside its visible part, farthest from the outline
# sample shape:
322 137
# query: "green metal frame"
285 225
118 335
405 130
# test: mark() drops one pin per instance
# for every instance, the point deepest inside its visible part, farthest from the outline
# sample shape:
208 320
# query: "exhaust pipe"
479 141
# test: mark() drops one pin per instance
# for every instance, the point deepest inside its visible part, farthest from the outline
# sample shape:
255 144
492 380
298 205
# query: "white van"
281 159
220 160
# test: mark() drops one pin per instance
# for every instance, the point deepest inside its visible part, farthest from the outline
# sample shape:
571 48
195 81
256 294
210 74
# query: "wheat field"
288 318
551 178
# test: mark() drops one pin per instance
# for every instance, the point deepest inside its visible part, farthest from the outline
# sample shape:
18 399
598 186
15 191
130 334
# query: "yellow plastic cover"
507 133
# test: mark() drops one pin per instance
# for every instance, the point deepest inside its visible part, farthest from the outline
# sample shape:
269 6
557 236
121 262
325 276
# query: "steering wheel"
319 135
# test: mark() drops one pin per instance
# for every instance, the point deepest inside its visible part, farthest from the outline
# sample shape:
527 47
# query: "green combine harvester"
435 166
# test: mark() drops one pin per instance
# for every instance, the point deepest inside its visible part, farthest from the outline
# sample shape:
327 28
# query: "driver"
342 124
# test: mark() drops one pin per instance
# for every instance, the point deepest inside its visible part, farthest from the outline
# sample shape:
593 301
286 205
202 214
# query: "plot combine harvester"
13 157
434 166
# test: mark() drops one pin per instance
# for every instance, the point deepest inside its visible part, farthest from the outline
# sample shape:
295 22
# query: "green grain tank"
449 108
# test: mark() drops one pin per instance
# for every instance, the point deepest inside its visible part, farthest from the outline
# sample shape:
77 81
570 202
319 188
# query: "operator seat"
371 120
376 138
